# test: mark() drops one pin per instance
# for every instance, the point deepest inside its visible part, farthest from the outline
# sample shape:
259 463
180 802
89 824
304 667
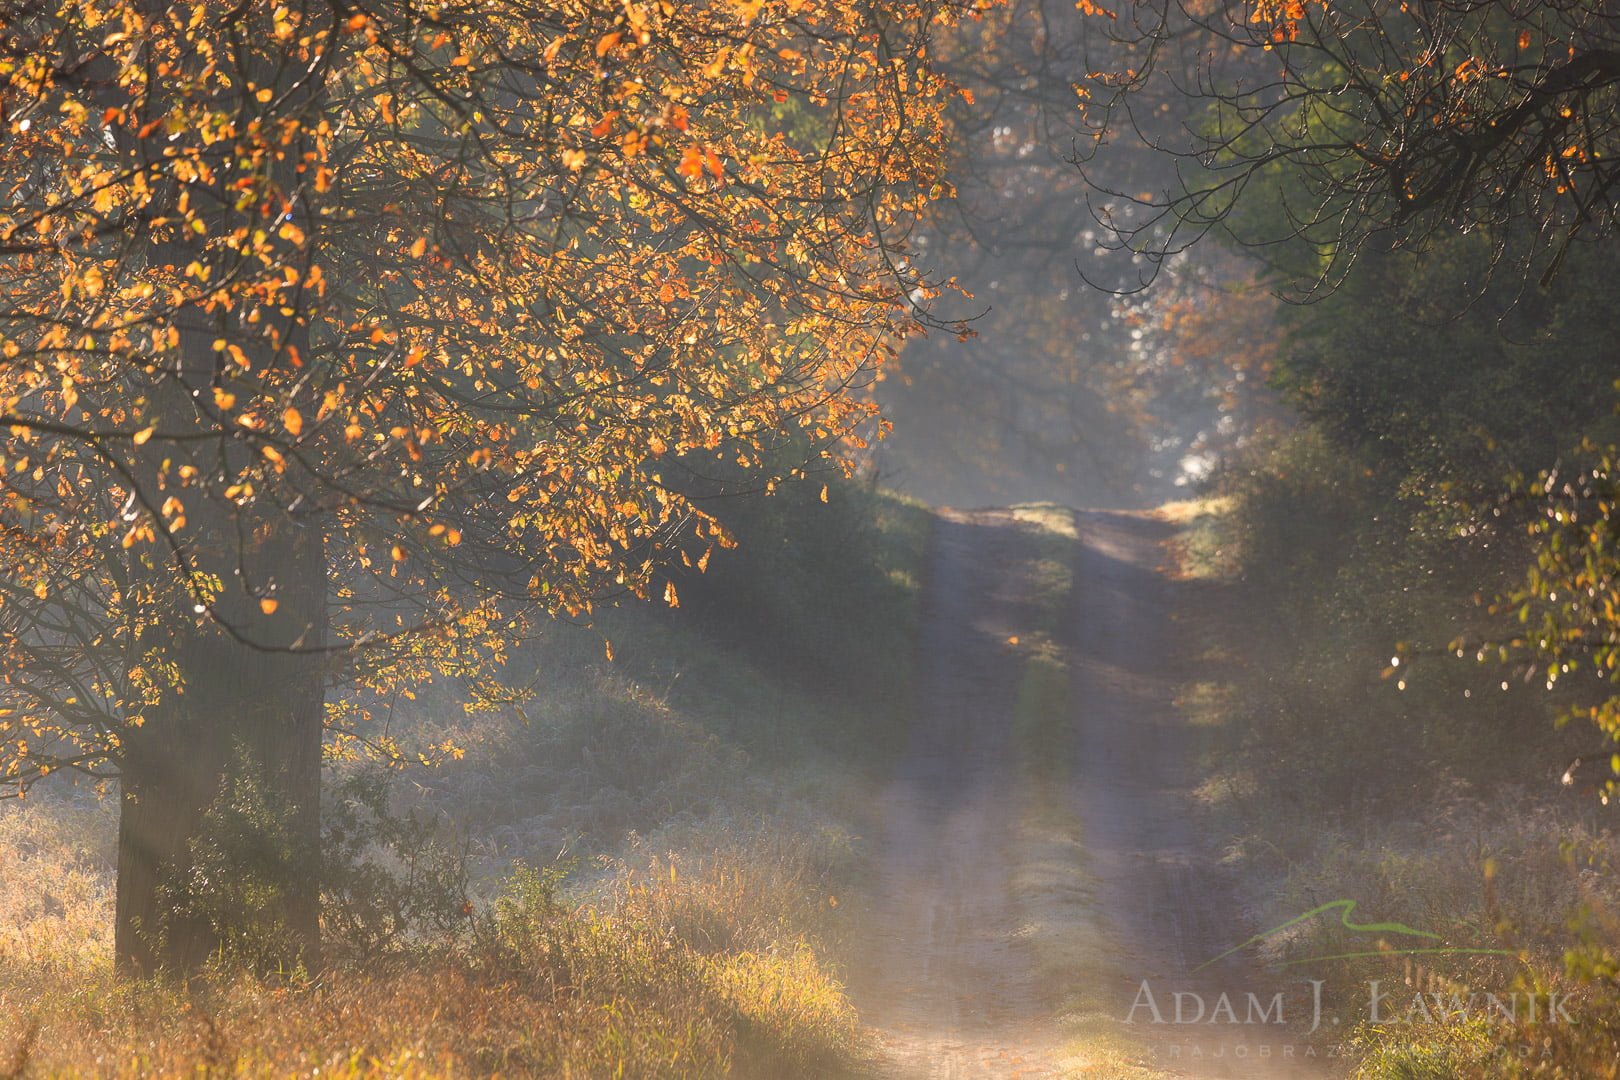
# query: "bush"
389 880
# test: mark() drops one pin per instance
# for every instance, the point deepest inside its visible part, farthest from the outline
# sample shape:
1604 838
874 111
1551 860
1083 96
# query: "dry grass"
56 860
669 966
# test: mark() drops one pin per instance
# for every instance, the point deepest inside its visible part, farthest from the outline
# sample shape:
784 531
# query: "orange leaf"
268 605
608 42
292 420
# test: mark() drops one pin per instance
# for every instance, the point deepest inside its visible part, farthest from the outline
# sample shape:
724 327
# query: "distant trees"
1048 398
337 340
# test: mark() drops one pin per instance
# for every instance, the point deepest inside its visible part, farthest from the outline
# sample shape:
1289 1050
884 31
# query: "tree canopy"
348 336
1373 118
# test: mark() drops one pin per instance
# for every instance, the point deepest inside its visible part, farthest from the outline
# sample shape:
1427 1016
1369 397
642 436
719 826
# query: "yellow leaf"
144 434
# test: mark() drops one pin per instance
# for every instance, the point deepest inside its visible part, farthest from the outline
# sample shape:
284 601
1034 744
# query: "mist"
798 540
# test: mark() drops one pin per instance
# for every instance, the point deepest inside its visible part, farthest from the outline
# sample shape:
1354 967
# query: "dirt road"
1035 855
945 979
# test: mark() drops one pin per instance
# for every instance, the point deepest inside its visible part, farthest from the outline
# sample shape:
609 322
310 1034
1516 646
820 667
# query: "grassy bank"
1430 799
634 871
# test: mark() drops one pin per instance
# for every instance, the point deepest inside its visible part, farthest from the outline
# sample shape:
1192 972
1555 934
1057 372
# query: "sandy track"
946 974
1168 907
944 978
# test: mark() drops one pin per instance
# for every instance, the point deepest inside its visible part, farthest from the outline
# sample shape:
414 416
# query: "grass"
656 847
56 863
699 951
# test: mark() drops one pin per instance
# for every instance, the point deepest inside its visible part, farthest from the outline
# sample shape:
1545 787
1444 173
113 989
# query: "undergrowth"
631 870
1430 800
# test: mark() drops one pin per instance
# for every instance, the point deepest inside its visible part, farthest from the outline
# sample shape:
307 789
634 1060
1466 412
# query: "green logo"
1345 908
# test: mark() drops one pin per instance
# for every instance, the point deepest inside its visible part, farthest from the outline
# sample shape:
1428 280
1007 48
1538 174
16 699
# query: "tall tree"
339 339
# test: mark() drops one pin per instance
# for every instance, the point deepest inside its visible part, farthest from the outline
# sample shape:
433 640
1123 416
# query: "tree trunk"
251 675
247 711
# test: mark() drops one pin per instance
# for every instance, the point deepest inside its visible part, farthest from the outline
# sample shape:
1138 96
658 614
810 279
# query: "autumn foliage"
354 336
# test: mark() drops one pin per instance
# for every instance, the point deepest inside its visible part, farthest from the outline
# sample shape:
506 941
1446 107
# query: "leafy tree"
341 339
1561 622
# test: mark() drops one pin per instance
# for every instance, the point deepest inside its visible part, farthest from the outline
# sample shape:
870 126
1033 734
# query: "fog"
802 540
